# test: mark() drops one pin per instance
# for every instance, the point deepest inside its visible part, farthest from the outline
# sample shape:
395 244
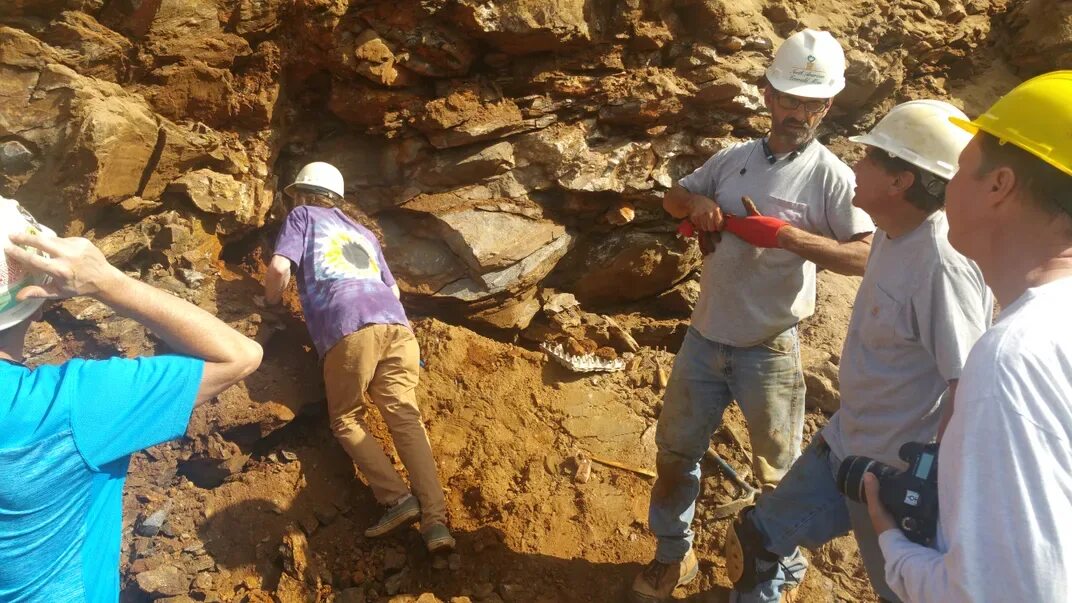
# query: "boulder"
489 239
868 79
191 30
625 265
93 140
563 156
458 167
1041 36
520 275
258 16
525 26
96 50
371 56
732 19
483 258
95 144
680 300
223 195
468 115
370 108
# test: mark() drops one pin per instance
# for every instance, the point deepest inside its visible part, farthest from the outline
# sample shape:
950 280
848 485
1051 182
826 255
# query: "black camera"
911 496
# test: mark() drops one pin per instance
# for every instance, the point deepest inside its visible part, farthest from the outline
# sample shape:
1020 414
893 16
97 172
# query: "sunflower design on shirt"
345 254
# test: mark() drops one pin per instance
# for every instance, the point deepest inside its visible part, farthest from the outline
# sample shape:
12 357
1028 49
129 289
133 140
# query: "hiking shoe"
437 538
403 513
658 580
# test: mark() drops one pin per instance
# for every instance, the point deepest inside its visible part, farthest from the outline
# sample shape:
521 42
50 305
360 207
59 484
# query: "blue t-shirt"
66 436
344 281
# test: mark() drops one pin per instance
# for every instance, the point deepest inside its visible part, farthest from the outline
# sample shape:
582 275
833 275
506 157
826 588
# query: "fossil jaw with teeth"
581 363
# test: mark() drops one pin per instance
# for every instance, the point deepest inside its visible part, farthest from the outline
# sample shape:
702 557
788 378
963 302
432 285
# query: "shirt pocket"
794 212
888 321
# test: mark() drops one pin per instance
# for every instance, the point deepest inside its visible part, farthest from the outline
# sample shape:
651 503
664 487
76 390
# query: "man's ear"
902 182
1003 181
829 106
999 186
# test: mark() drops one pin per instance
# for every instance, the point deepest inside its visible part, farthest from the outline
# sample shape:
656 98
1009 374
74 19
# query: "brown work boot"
658 580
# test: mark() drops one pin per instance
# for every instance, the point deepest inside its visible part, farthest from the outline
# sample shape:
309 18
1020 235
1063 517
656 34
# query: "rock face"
1041 36
446 118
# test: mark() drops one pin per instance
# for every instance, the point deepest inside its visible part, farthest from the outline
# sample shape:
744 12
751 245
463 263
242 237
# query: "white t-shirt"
747 294
1004 468
920 309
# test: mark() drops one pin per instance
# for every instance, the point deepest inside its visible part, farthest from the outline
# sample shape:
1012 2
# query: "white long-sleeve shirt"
1004 469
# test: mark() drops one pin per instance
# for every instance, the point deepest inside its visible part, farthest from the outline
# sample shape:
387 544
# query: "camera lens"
850 476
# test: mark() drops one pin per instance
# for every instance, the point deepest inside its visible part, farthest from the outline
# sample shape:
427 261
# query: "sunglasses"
792 103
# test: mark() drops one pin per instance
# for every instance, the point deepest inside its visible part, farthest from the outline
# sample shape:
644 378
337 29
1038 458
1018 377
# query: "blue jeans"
807 509
767 382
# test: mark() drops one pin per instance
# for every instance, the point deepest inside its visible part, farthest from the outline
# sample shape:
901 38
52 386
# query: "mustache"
790 122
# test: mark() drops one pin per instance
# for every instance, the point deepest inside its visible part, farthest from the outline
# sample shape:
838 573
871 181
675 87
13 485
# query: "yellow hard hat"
1035 116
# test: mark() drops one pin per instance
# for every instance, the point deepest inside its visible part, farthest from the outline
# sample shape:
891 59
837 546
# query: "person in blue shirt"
67 431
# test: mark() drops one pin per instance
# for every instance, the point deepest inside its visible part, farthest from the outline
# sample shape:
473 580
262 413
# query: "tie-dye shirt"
344 281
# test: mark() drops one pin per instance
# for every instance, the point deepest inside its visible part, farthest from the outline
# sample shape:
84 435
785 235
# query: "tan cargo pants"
383 360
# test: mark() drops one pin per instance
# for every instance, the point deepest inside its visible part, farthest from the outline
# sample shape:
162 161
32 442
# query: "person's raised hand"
706 215
74 265
881 519
755 228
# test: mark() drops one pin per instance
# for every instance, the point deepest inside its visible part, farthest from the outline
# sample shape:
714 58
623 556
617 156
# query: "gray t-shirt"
920 309
747 294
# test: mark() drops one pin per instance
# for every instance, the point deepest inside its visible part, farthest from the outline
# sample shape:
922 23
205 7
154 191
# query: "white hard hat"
318 176
810 64
920 132
13 276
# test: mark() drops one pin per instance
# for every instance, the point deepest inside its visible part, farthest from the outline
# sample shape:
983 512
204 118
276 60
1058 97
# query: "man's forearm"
183 326
844 258
274 283
276 278
679 202
916 573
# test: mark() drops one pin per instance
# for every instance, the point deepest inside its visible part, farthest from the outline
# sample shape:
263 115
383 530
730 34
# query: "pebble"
202 564
166 581
143 547
551 463
511 592
309 523
584 468
326 514
352 595
758 43
154 523
394 583
394 559
203 581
